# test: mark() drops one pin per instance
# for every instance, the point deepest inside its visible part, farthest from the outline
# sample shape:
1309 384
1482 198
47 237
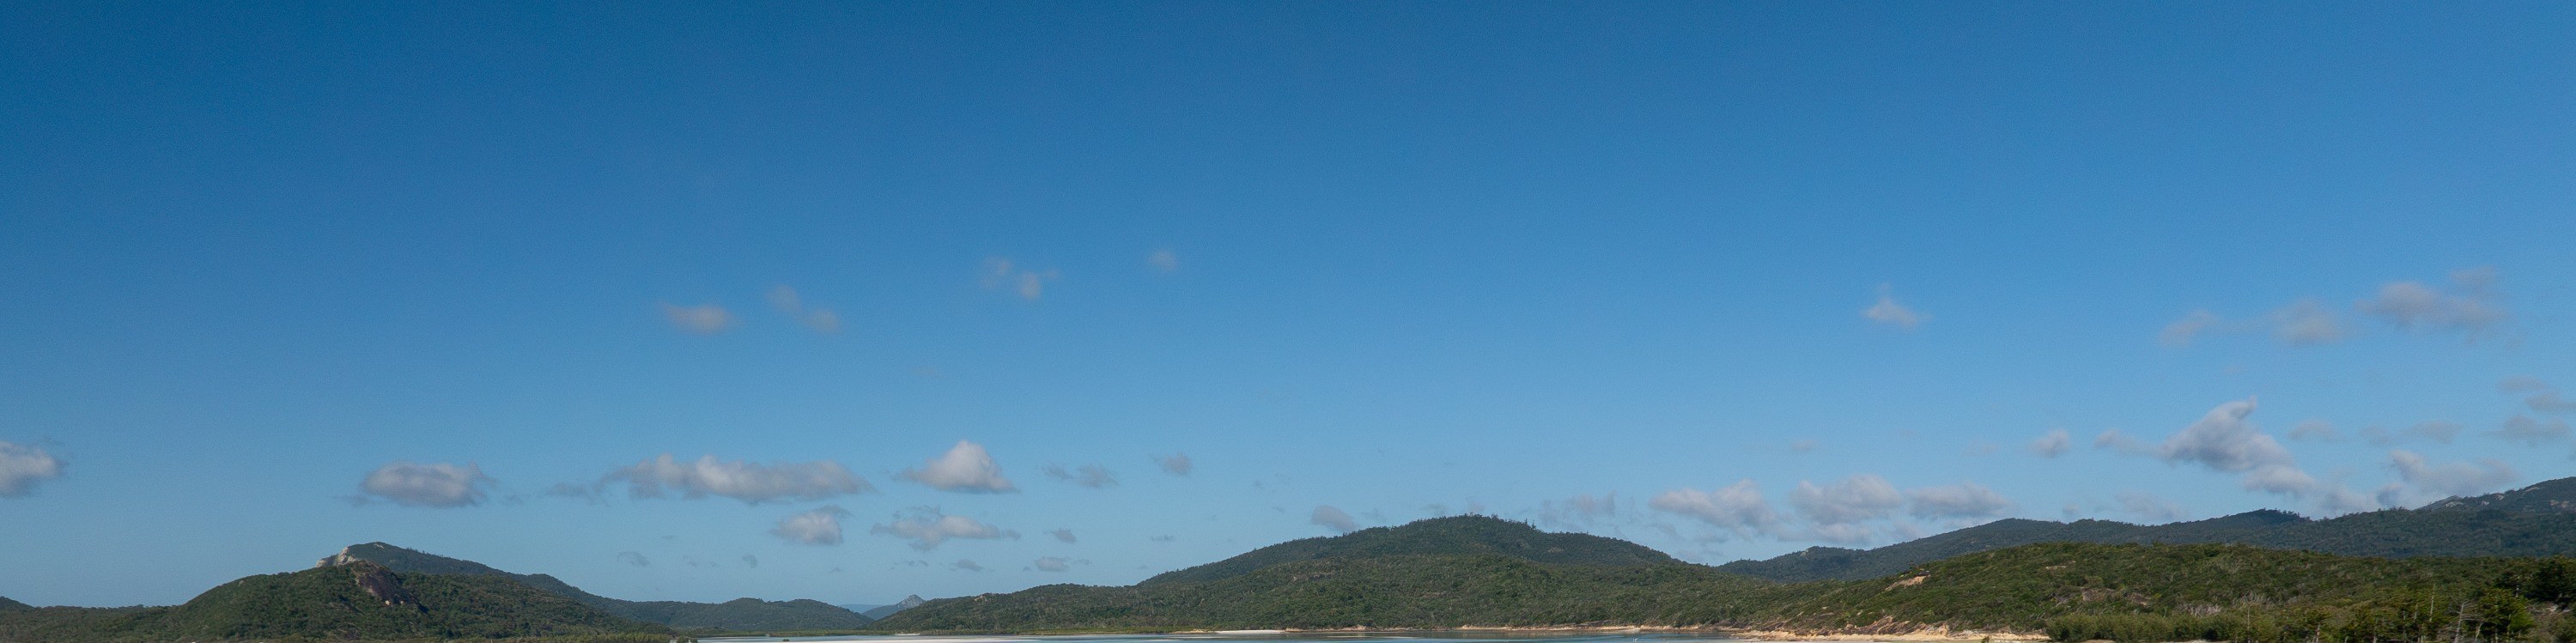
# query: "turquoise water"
1262 637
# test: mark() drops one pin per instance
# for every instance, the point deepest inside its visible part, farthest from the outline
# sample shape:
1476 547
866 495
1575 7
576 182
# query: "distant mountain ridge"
741 614
2532 521
1468 535
881 611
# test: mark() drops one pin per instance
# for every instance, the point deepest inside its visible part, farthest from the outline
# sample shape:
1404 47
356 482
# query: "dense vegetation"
1457 535
2076 591
2464 529
7 605
357 601
742 614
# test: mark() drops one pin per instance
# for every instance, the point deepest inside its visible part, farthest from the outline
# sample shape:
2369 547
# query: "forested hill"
2126 592
359 601
7 605
742 614
1451 536
2533 521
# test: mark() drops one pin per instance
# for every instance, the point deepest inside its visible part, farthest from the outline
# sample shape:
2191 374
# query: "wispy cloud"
1737 508
926 527
2471 306
1328 517
22 467
1164 259
2531 432
2434 480
1089 475
1001 274
1889 313
822 320
1965 500
437 484
704 319
1052 564
821 526
1065 535
748 482
1581 509
634 558
965 468
1176 464
2055 442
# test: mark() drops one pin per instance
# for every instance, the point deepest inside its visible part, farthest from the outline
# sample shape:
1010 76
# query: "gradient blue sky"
1600 266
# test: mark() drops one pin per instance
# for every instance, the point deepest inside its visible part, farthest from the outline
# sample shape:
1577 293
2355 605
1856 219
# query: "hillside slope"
1451 536
358 601
742 614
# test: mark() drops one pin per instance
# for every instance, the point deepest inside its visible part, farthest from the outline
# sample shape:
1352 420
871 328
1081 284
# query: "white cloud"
1581 509
1854 499
1176 464
1164 260
1328 517
2280 479
999 273
705 319
1889 313
926 527
1802 446
427 485
2527 431
2150 509
2472 308
2183 331
2052 444
2315 431
23 467
1053 564
1963 500
744 481
2306 322
965 565
2224 441
1738 507
965 468
1065 535
1089 475
2450 478
822 320
818 527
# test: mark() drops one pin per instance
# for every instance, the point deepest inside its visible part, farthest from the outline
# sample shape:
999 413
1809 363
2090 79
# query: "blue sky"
1729 280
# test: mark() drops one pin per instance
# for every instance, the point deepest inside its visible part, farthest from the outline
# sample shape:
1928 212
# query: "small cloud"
748 482
2531 432
1854 499
588 493
2150 509
705 319
634 558
1163 538
1065 535
2437 431
1089 475
2306 322
1053 564
1802 446
2450 479
926 527
751 561
1176 464
2519 384
2052 444
2470 307
821 526
1964 500
1889 313
427 485
2315 431
965 565
1164 260
1738 507
965 468
1581 509
22 467
2183 331
999 273
1331 518
822 320
2549 402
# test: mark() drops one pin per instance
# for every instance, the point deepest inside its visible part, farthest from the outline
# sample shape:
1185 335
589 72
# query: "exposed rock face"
382 584
335 560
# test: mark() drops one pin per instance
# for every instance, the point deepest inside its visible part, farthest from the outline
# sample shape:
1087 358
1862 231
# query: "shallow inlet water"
1268 637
